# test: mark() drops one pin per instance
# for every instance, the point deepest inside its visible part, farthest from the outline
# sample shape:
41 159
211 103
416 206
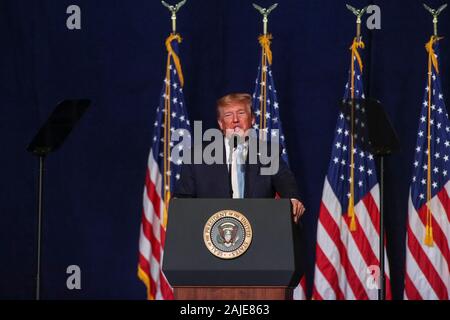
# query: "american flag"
265 102
428 229
267 112
347 249
161 176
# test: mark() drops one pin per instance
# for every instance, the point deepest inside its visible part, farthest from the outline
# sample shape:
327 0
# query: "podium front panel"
270 260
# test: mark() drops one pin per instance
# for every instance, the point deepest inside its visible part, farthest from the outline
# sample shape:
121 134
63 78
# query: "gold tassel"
429 236
352 215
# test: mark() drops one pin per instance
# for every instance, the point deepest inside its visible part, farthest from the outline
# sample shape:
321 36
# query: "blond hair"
234 98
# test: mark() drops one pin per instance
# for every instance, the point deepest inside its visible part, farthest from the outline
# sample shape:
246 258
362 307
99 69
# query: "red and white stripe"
300 291
344 259
152 237
427 268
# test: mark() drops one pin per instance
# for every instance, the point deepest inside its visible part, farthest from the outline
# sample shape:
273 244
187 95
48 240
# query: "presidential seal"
227 234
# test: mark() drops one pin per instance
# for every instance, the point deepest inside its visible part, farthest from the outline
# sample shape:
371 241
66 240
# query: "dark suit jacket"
213 181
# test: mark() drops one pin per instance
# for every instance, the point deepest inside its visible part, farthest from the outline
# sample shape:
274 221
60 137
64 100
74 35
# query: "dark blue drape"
94 184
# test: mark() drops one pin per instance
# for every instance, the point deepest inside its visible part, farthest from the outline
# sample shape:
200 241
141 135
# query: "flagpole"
174 9
264 40
382 279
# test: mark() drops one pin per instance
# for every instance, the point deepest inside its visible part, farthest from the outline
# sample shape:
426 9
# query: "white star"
346 133
423 182
437 155
421 134
275 105
336 160
414 179
177 176
343 162
339 131
179 161
425 103
422 196
361 154
436 170
175 85
440 111
174 114
369 172
360 183
441 96
370 157
423 119
342 177
175 100
435 185
425 167
447 143
446 158
418 149
416 164
338 145
267 115
361 169
444 173
344 148
182 118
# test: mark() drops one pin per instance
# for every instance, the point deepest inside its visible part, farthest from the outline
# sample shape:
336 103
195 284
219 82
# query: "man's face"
235 118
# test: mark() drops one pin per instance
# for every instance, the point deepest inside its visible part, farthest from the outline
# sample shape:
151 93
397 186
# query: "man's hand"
298 209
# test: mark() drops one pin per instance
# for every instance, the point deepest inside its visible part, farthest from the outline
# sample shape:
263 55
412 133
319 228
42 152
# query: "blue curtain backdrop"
94 183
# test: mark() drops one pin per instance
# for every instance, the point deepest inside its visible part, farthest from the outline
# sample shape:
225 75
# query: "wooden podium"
267 270
233 293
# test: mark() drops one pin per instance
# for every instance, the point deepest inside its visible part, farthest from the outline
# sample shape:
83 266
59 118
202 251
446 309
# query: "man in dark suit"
234 178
